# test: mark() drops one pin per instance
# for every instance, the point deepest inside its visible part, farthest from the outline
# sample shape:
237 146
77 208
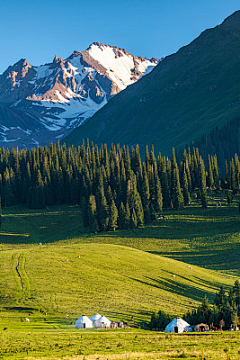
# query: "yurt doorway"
84 325
176 329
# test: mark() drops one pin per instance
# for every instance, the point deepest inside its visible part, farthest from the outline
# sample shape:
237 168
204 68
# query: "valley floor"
128 344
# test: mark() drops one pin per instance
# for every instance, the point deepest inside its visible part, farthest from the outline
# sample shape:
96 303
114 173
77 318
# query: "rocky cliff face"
63 94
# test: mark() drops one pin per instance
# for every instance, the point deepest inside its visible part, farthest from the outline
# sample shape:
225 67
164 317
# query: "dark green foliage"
186 195
113 216
92 214
133 220
224 141
160 320
147 215
223 314
202 183
113 188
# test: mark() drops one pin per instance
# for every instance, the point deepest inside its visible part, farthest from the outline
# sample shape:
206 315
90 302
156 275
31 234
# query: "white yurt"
95 318
83 322
103 322
177 325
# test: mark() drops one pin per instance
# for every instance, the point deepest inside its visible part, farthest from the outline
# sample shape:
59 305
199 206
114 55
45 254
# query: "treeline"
114 188
223 314
223 141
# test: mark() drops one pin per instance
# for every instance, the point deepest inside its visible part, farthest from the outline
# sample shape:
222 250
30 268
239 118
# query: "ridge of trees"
114 188
224 313
223 141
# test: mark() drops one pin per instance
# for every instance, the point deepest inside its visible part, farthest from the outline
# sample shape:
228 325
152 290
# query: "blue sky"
37 30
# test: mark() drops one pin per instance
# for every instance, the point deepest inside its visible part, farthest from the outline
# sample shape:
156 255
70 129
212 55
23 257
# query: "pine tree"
102 209
202 183
210 180
92 214
127 217
176 193
177 196
186 195
147 215
157 199
165 184
236 293
7 189
135 201
144 191
113 217
133 221
122 215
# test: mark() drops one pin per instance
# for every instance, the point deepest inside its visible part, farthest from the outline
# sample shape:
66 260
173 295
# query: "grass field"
127 344
169 265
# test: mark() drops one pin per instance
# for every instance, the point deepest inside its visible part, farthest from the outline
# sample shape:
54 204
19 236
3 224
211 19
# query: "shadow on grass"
211 258
20 308
21 225
185 225
178 288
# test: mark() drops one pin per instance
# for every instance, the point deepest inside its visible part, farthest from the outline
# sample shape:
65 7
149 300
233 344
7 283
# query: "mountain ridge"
66 92
190 92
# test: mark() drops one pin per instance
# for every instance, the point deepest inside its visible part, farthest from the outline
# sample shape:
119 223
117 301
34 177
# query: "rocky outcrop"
64 93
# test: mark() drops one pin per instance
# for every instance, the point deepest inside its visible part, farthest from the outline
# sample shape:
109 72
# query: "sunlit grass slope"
115 280
207 238
120 273
167 265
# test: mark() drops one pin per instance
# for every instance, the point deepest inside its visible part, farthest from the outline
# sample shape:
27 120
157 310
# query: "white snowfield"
119 68
66 93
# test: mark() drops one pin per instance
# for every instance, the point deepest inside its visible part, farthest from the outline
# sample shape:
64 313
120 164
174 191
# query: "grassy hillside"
192 235
118 274
110 279
187 94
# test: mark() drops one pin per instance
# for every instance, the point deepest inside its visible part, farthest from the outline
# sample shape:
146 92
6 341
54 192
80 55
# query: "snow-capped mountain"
41 103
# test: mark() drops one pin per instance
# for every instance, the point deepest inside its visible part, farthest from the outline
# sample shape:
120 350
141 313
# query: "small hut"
83 322
202 327
177 325
103 322
95 318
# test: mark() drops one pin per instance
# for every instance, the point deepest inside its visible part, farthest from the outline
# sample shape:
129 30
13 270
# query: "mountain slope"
187 94
65 93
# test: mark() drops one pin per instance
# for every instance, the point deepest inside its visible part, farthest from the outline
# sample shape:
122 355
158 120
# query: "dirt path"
22 275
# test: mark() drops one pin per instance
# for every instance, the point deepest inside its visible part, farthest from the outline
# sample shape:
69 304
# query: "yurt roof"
104 320
95 317
83 319
177 322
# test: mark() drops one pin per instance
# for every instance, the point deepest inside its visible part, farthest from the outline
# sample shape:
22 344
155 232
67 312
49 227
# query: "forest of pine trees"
114 188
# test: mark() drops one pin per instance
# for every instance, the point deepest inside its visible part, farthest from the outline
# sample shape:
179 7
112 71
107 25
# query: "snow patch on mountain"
59 96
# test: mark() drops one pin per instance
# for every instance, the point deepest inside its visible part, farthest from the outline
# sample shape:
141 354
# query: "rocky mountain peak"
63 94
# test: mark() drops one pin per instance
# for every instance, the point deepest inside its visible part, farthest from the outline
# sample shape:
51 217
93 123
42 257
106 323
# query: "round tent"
83 322
103 322
177 325
95 318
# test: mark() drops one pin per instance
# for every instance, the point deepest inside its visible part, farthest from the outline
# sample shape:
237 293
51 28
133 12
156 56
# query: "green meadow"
169 265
